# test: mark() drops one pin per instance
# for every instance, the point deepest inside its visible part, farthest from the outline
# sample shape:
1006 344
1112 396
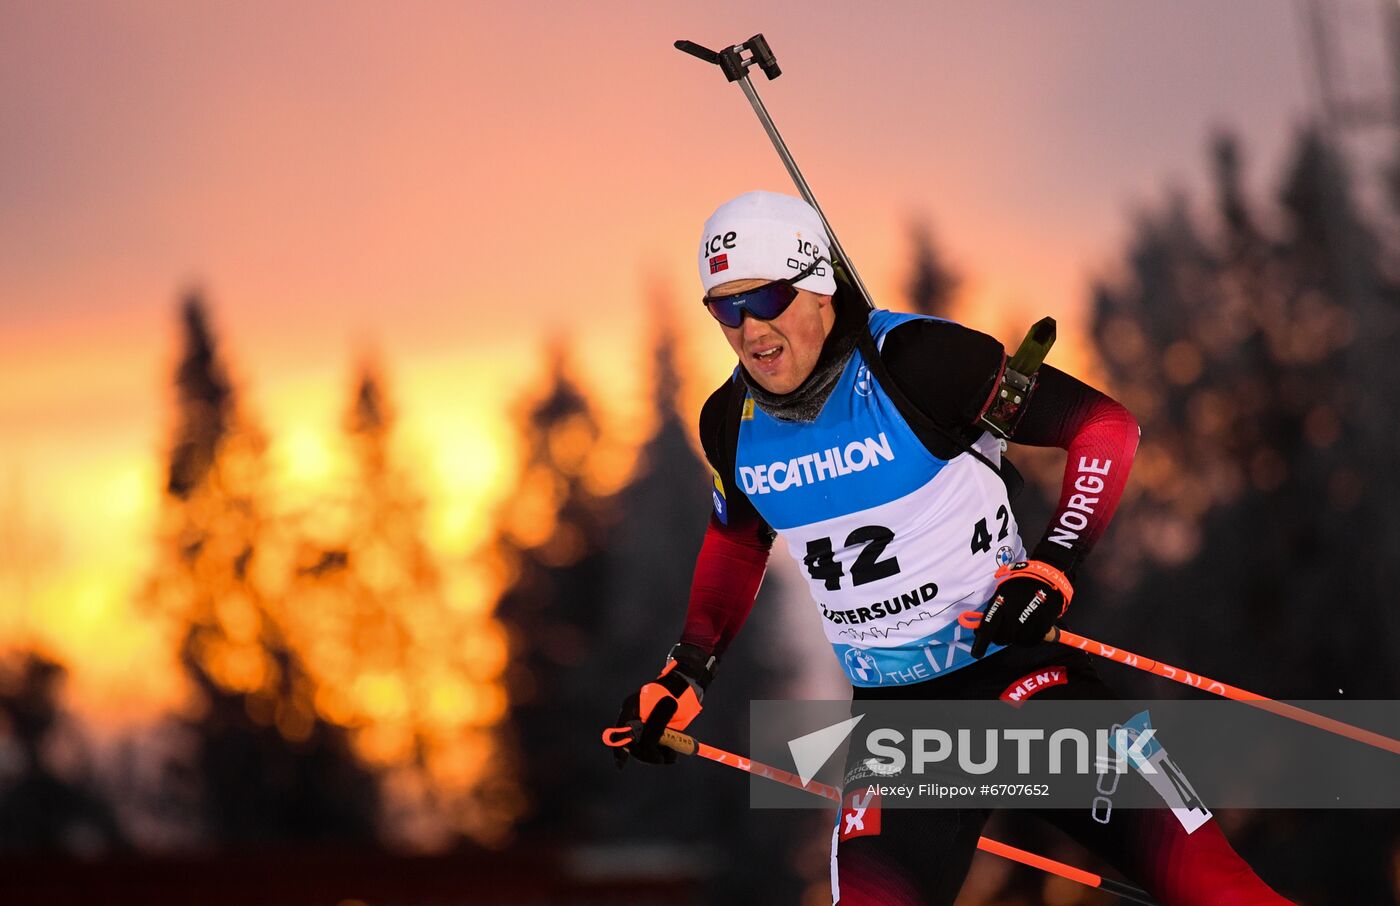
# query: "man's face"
781 353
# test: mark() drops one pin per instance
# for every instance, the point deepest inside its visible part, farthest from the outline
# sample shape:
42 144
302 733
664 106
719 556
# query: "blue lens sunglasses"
764 302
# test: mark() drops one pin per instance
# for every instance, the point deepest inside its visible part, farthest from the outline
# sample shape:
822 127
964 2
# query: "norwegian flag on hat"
764 236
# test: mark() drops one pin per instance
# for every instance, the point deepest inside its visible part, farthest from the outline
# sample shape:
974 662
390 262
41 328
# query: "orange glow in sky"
447 185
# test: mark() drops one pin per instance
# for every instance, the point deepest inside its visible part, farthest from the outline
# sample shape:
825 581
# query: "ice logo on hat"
807 248
717 242
781 234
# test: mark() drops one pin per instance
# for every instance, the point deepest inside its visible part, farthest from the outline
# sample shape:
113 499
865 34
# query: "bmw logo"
862 666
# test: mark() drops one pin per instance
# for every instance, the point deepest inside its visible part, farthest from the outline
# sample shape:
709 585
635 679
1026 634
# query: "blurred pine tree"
1256 539
549 552
265 766
47 807
1233 350
932 284
599 592
413 669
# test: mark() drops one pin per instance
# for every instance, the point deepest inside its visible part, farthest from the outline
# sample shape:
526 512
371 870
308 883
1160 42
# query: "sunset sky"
445 186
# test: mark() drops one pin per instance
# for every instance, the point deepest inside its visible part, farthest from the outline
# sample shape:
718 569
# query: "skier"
862 436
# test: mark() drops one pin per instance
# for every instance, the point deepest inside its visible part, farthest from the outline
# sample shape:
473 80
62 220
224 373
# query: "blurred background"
350 366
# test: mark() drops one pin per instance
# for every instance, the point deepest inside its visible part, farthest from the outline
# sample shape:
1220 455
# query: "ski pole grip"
616 737
679 742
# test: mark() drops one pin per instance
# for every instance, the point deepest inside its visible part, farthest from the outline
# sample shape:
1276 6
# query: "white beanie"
766 236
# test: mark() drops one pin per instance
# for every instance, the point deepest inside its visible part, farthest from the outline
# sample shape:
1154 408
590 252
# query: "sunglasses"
764 302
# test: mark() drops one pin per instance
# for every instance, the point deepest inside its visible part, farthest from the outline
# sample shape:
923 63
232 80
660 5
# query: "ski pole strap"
1043 571
971 619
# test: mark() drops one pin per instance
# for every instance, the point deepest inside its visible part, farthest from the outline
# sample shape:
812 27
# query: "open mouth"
767 357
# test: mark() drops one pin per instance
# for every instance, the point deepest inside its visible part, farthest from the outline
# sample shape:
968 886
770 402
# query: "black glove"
1030 596
671 700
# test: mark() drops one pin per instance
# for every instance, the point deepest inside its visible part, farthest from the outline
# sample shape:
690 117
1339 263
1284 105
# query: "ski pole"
735 64
689 745
972 619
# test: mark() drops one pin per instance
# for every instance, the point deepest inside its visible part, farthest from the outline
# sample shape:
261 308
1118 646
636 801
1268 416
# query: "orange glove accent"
671 687
1043 571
